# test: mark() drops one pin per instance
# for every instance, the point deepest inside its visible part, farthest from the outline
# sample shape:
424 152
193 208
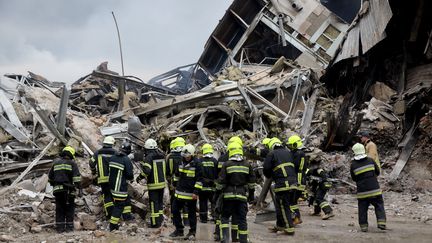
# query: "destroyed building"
321 69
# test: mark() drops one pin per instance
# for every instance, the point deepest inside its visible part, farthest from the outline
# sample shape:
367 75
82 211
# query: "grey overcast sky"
64 40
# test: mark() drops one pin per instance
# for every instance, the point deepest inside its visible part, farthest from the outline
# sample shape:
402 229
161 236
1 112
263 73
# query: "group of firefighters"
226 184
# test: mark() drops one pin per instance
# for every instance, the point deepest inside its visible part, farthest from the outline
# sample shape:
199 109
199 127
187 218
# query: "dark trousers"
118 210
156 207
178 205
107 199
205 197
237 210
184 212
65 210
283 212
320 203
363 205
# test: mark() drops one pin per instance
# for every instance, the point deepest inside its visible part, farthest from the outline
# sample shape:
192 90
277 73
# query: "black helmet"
126 148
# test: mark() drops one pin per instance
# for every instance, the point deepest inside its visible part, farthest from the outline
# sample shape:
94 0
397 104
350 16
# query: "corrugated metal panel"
372 26
370 29
351 45
420 74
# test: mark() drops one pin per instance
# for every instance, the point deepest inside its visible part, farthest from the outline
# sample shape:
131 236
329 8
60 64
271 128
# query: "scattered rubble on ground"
326 96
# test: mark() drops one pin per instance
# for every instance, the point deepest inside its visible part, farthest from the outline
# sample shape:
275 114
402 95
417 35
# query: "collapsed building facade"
322 69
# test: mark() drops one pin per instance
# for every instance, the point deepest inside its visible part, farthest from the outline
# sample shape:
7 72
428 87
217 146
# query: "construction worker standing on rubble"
99 164
209 175
318 187
279 166
237 184
301 164
364 172
153 170
188 183
371 148
120 171
218 197
65 177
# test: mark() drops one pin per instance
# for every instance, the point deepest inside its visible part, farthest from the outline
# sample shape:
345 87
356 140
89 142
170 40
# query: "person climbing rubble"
120 171
301 164
279 166
99 165
237 184
153 170
65 177
188 184
208 164
318 185
364 171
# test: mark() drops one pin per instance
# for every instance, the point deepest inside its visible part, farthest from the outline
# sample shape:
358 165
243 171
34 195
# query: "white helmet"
150 144
109 140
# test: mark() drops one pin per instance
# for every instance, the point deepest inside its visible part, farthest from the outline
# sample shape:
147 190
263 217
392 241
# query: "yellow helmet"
234 149
273 141
207 148
265 141
109 140
235 139
177 142
359 151
69 150
294 142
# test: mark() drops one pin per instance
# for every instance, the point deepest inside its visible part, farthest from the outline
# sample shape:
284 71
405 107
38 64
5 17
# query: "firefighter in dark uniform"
65 177
262 149
153 170
173 160
99 164
187 188
121 171
218 197
301 164
319 185
279 166
237 183
364 172
209 175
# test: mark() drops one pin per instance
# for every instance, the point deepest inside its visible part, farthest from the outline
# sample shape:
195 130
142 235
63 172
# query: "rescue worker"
99 164
187 188
371 148
65 177
364 172
279 166
319 186
173 160
120 171
153 170
237 183
262 149
218 197
209 175
301 164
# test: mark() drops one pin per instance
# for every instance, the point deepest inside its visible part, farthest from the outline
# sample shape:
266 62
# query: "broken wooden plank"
308 113
265 101
61 117
33 163
12 130
403 158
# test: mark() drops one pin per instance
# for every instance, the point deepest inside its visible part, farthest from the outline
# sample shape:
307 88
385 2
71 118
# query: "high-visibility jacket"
173 160
99 163
236 180
318 179
209 172
300 164
364 172
64 175
188 179
279 166
221 161
153 168
120 170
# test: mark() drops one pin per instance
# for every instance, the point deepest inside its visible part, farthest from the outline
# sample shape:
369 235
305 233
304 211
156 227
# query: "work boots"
275 229
177 233
190 235
297 220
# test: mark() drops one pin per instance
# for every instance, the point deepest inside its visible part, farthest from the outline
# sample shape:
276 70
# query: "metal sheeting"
370 29
421 75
